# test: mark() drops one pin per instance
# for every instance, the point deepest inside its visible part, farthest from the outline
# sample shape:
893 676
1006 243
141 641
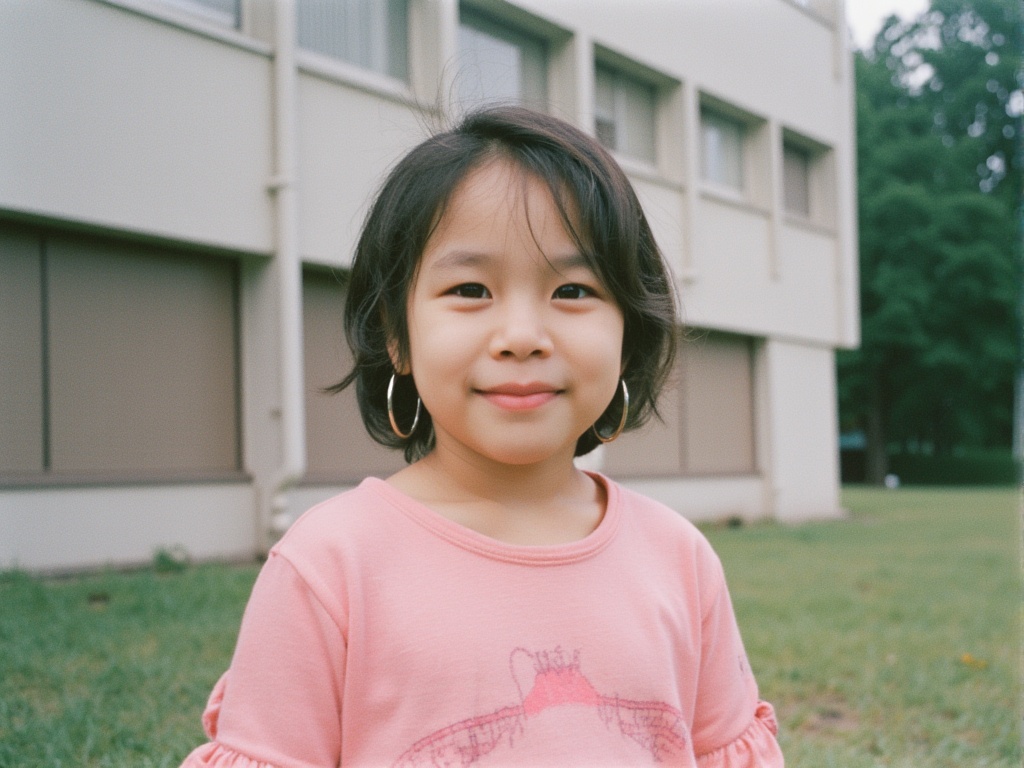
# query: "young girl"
491 604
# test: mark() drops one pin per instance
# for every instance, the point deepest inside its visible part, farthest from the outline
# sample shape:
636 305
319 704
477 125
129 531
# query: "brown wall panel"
21 352
655 450
143 360
338 449
718 403
707 408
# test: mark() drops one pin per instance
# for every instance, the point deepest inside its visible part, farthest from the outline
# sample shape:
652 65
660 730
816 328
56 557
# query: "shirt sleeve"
279 703
756 747
732 728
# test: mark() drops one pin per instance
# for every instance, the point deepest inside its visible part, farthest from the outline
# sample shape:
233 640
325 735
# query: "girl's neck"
548 503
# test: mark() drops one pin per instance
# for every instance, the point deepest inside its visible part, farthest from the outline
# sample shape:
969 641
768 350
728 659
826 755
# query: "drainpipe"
288 266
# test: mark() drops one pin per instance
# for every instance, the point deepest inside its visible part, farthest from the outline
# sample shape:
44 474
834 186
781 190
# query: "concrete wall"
125 123
800 431
58 529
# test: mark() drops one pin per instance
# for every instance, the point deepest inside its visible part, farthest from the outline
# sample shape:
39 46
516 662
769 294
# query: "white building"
182 182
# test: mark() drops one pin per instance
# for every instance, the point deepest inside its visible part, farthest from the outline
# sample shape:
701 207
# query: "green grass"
113 669
889 639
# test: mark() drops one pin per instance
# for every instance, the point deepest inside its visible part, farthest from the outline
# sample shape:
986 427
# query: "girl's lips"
519 397
519 402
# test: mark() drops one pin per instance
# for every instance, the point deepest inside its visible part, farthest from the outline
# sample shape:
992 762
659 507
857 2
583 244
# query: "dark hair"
600 212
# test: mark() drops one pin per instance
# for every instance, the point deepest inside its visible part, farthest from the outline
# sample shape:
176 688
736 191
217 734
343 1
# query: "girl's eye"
470 291
572 291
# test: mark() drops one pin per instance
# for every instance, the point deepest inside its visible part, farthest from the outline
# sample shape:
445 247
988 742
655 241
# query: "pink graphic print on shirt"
558 699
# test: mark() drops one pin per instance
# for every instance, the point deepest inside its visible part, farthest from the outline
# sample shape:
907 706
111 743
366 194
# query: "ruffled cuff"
215 755
219 756
756 747
211 715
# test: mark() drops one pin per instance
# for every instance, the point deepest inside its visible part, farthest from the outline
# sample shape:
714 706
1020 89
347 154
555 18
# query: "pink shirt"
379 633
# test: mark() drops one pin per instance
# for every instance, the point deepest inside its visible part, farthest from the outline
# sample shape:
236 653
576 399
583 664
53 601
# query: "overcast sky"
866 16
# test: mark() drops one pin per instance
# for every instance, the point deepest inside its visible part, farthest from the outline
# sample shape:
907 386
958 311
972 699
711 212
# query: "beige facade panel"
21 352
731 262
347 140
663 205
801 443
763 281
126 122
62 529
808 260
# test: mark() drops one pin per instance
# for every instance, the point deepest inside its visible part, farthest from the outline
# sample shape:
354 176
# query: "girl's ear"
401 367
394 348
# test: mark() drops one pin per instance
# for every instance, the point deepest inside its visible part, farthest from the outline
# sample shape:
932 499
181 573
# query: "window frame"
796 159
403 76
202 10
754 147
621 81
711 117
490 25
821 181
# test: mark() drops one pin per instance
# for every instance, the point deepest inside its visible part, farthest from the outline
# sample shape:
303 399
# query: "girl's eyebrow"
568 261
458 258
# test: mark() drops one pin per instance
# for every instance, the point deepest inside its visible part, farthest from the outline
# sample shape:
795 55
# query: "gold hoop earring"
622 421
391 412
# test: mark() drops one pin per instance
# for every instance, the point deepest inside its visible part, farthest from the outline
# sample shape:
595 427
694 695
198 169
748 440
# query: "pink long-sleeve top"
380 633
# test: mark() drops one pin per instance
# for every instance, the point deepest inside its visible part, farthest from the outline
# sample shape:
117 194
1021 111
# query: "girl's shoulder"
655 514
349 520
662 529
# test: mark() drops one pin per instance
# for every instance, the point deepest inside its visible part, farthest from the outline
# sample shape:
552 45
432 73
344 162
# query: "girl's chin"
513 455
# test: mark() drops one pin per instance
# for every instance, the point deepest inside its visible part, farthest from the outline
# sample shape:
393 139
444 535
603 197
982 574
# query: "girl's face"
515 345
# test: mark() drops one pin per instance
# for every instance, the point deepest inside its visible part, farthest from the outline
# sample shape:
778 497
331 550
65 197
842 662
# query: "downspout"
288 265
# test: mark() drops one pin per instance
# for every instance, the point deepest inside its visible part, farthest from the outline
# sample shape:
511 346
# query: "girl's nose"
521 332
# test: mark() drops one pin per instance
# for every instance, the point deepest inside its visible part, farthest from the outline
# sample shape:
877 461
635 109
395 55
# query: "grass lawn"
113 669
889 639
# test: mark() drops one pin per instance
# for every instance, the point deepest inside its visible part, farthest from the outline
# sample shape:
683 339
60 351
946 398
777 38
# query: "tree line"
939 159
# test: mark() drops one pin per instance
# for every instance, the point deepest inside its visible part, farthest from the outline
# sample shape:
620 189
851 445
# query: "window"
499 64
808 192
372 34
338 448
624 113
796 184
722 152
220 11
123 360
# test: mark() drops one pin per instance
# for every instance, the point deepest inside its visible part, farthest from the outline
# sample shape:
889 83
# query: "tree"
938 118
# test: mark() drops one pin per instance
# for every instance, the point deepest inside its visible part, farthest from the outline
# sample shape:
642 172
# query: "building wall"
153 131
801 434
133 126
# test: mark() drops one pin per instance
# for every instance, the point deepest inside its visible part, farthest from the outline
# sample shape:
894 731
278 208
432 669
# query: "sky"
866 16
